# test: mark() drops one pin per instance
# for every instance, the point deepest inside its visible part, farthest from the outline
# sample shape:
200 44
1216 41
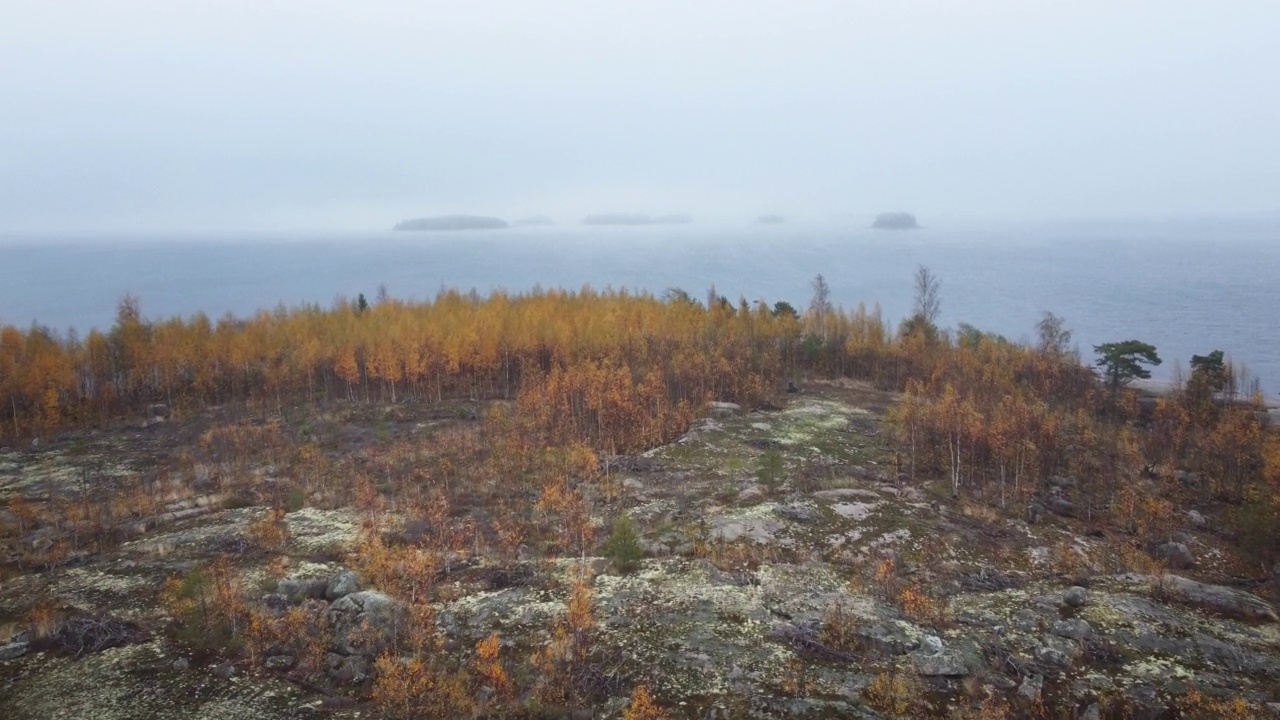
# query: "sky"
131 114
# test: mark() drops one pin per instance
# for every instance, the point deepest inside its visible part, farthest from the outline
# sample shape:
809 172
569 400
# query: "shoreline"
1166 387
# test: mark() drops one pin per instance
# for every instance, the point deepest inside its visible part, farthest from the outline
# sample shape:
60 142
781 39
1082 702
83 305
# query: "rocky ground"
764 592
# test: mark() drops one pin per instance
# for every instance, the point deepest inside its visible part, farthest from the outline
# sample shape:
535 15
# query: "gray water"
1188 287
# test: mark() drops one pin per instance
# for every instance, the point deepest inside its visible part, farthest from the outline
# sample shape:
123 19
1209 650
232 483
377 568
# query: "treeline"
1014 426
594 353
619 372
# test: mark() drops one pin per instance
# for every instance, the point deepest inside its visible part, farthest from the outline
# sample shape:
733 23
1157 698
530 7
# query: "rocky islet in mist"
452 222
895 221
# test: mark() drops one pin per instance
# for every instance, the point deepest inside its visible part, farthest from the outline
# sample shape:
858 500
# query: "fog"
125 115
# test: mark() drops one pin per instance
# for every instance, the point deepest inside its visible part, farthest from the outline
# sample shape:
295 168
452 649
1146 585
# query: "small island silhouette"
452 222
895 221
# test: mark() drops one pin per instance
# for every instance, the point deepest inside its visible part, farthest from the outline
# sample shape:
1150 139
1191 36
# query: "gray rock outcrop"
1061 506
296 590
1076 597
13 650
365 622
342 584
1175 554
1216 598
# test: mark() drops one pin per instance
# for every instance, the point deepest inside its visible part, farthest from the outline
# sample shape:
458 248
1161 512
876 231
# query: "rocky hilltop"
821 585
452 222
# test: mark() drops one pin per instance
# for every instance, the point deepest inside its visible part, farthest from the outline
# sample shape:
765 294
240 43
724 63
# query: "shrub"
922 607
1195 706
302 631
623 546
489 670
771 470
992 707
43 618
840 629
207 607
643 707
270 532
295 500
1256 525
896 694
413 689
561 663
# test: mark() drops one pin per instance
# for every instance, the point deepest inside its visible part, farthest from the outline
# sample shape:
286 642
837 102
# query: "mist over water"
1187 287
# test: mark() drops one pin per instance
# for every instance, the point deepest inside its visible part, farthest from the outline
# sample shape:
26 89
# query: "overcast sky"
311 114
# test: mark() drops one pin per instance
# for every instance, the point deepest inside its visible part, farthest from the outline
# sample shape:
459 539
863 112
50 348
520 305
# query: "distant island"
771 219
535 220
895 221
636 219
452 222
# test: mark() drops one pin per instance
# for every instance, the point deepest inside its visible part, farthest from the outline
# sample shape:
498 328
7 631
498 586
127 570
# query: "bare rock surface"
734 592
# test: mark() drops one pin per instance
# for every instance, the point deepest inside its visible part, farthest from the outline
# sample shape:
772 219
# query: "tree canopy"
1210 369
1122 362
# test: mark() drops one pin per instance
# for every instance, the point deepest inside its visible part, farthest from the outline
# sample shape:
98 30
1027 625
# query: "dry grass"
896 694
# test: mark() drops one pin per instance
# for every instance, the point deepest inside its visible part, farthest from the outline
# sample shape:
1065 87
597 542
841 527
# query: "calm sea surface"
1187 288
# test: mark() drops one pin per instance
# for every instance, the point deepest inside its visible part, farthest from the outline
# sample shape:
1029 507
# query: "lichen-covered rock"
342 584
1076 597
275 602
1227 601
1031 687
1176 554
351 670
279 662
365 622
724 409
1061 481
1074 629
1061 506
798 513
946 663
931 644
298 589
1053 656
1197 519
13 650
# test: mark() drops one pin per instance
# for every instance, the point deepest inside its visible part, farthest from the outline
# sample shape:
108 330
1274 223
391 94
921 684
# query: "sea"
1186 286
